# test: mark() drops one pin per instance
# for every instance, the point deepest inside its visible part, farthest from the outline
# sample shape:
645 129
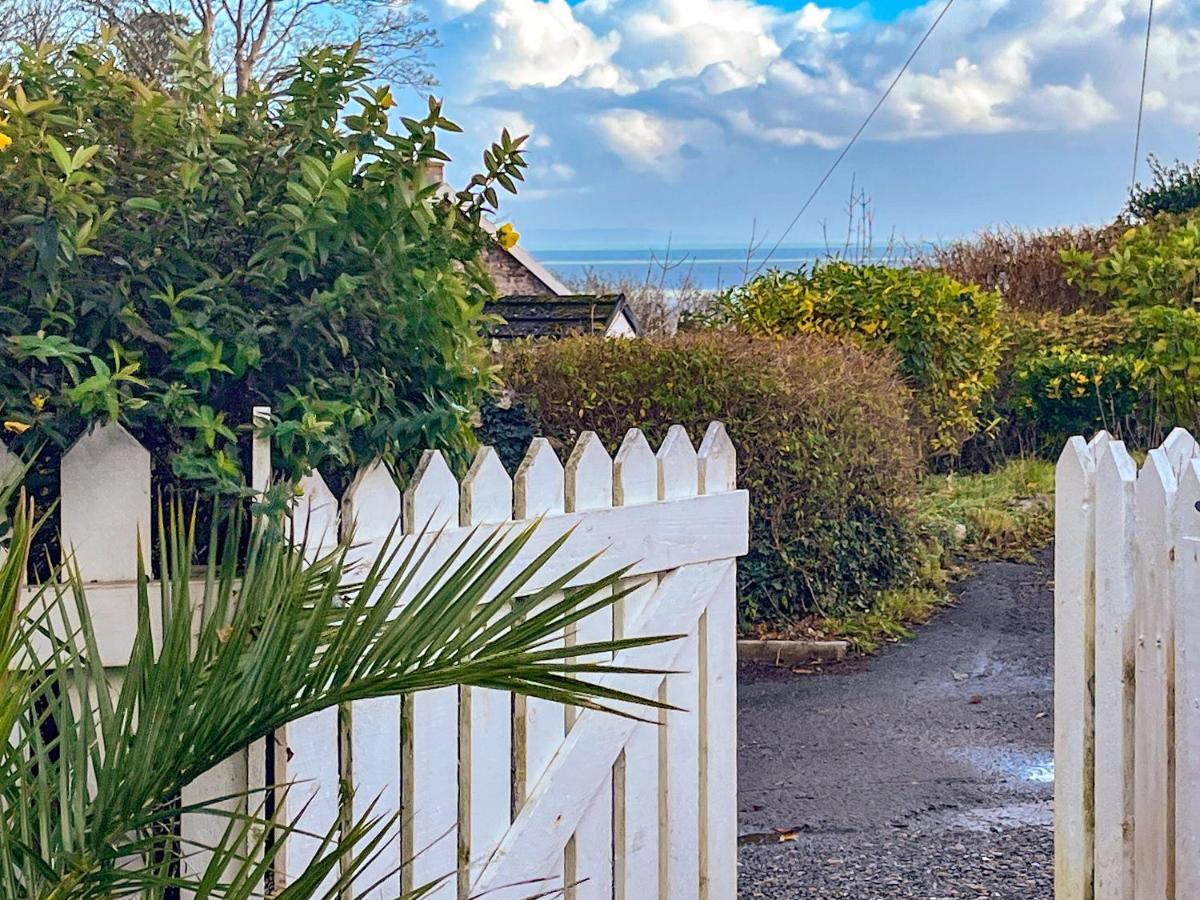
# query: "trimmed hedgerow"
945 335
824 447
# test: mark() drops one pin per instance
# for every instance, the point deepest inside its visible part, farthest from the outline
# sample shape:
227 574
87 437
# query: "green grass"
891 617
1005 514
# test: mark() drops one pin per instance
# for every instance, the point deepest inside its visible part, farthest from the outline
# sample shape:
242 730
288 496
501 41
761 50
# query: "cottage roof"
528 315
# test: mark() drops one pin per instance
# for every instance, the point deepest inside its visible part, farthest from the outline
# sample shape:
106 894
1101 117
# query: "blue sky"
707 119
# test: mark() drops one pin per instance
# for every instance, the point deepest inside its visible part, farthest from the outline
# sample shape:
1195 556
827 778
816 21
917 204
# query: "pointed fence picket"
1127 671
517 796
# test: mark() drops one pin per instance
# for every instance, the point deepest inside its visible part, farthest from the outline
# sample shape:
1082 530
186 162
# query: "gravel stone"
924 772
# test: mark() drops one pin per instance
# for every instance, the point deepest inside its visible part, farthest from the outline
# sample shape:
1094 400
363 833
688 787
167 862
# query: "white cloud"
541 44
657 78
644 141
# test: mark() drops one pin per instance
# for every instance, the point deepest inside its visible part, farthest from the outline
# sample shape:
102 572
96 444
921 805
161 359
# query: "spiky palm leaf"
89 789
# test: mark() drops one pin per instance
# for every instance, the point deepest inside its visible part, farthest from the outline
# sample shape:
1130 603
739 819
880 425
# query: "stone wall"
510 276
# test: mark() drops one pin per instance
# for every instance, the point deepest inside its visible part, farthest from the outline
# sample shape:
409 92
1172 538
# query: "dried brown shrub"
1024 266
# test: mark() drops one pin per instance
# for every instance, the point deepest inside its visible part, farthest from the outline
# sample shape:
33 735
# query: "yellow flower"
5 140
38 401
386 100
507 236
15 427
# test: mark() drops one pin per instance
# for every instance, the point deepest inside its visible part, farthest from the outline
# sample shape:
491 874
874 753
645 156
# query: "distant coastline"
708 268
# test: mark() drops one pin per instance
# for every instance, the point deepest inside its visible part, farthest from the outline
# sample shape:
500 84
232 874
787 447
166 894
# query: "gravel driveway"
924 772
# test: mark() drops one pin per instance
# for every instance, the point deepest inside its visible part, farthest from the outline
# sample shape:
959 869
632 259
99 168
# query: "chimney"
433 171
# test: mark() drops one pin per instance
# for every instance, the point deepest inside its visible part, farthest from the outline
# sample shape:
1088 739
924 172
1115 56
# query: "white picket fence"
1127 671
518 796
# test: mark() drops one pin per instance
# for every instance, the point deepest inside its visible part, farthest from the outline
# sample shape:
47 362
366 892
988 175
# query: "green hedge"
1135 372
945 335
824 446
173 258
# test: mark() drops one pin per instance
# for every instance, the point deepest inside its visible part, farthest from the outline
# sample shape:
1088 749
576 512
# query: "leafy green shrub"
824 447
1173 188
1063 391
946 335
1165 343
1153 264
1141 366
173 258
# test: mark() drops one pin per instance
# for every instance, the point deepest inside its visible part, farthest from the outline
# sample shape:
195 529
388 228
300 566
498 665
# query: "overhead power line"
861 128
1137 138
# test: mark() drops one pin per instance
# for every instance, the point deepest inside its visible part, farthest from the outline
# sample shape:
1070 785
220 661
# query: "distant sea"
710 268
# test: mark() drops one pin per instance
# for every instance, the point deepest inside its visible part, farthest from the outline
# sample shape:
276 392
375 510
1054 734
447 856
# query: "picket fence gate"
517 796
1127 671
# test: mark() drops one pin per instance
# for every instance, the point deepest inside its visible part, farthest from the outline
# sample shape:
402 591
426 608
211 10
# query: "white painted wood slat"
430 765
371 510
678 476
1116 478
1152 790
538 725
1074 656
640 803
485 717
589 486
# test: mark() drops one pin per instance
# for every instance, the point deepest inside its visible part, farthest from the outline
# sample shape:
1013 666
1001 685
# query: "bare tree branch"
248 41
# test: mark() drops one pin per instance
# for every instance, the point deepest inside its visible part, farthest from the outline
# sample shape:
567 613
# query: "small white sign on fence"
518 796
1127 671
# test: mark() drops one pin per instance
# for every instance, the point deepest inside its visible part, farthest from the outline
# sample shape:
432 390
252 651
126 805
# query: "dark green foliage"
1061 392
172 259
821 430
508 427
1173 188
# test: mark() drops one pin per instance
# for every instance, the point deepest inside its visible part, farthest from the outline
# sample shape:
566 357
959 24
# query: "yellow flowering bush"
945 335
1065 391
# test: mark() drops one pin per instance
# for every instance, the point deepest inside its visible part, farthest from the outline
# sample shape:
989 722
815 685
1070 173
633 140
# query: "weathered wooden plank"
533 846
199 832
313 781
538 725
679 772
1153 789
430 765
105 503
651 537
639 804
311 770
1074 658
717 461
718 700
372 509
485 716
1186 527
1116 478
589 486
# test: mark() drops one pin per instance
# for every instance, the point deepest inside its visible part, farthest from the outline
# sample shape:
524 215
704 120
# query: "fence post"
1074 556
717 462
1116 477
1153 841
430 768
640 802
370 729
485 715
1187 682
679 476
588 484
